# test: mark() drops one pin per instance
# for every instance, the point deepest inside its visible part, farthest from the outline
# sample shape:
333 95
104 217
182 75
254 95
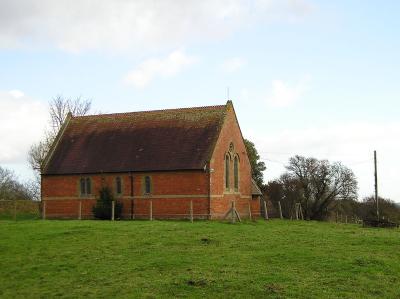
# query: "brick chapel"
169 159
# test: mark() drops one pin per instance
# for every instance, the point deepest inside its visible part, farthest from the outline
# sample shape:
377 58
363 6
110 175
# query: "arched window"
147 185
236 173
118 185
227 166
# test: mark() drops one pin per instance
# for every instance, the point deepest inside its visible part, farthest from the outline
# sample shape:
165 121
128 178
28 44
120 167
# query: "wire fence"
20 210
278 210
32 210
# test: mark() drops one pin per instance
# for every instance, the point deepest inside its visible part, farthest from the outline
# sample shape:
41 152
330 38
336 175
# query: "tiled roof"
174 139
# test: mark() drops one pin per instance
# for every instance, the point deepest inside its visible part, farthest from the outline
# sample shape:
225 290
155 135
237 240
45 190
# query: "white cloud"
351 143
233 64
140 24
22 122
285 95
152 68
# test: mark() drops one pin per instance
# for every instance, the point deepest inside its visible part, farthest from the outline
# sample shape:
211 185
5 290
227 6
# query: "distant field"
161 259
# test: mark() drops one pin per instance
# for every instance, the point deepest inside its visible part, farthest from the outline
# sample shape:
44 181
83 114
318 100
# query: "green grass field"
162 259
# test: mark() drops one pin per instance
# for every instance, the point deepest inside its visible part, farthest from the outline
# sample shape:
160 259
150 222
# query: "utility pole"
376 187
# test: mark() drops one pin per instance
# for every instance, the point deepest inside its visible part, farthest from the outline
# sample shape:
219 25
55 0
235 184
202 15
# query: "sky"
314 78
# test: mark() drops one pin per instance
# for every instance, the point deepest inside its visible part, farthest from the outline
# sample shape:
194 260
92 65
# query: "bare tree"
59 109
388 209
10 187
321 183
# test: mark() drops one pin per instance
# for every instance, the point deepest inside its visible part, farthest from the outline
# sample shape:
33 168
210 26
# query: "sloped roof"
160 140
255 190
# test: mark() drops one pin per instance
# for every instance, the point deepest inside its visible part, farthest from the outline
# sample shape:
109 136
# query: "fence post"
112 210
280 210
265 210
250 216
80 210
151 209
15 210
44 210
191 210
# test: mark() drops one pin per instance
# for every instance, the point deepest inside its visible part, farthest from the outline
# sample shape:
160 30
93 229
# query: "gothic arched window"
227 166
236 173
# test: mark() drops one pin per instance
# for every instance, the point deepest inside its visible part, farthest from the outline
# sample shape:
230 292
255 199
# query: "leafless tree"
10 187
32 188
321 183
59 109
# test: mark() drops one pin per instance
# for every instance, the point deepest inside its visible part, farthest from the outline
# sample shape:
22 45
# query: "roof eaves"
220 126
56 142
124 171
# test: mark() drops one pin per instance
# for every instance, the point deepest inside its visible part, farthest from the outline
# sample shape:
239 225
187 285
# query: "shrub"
103 207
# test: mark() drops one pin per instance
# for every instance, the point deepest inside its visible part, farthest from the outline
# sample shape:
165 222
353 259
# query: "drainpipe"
132 200
209 170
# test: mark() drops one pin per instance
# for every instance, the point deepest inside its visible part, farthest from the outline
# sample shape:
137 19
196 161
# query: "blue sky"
316 78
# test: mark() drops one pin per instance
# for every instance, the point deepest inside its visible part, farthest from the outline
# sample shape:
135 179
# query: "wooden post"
44 210
113 210
80 210
250 216
346 218
191 210
280 209
265 210
233 212
151 209
15 210
376 187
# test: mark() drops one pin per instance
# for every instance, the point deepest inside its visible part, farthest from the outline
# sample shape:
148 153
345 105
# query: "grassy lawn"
161 259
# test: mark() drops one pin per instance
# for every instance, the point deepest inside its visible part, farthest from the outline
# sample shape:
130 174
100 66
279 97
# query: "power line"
306 154
275 161
344 162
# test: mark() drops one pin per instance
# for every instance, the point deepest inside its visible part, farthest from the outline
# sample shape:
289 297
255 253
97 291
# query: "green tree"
257 166
103 207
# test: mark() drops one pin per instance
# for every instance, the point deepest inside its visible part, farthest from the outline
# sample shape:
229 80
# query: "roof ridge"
149 111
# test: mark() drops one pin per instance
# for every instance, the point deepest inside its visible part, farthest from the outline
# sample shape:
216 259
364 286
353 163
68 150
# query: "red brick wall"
220 198
171 194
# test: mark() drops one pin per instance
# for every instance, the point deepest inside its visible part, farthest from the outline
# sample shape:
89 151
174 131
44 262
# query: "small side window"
118 186
85 186
88 186
147 185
